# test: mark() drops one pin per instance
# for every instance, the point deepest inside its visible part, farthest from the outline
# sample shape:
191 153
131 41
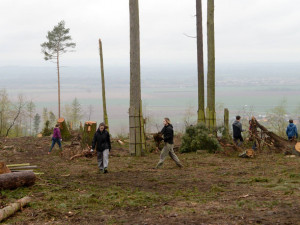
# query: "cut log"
13 208
296 150
120 142
3 168
17 179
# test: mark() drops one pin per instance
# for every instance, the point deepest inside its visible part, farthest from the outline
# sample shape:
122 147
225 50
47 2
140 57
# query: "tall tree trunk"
201 107
58 81
105 118
211 112
135 82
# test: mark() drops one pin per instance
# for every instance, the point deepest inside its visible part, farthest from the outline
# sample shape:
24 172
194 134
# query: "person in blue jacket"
291 131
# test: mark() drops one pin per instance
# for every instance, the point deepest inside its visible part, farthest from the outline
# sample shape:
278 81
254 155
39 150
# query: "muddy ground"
210 189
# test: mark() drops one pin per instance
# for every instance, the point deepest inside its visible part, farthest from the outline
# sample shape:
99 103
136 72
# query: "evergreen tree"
36 122
58 43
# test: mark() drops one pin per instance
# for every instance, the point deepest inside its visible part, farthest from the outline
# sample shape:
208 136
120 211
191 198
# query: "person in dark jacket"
56 138
291 130
237 131
168 135
101 141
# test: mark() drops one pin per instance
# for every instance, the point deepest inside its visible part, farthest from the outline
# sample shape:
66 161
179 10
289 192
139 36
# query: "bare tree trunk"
201 107
211 112
226 122
105 118
58 81
135 82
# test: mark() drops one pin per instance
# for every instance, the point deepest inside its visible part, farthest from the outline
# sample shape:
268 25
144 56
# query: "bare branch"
189 36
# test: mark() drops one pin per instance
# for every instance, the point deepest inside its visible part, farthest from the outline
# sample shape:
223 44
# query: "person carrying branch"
168 135
56 138
237 131
291 131
102 143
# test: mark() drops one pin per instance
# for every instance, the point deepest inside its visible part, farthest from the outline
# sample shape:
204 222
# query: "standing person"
168 135
101 140
237 131
56 138
291 131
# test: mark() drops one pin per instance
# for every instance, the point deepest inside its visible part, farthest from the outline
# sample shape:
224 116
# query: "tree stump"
65 133
89 130
16 179
297 149
3 168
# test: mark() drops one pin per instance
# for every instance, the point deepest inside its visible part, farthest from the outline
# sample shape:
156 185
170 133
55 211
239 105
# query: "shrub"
47 131
198 137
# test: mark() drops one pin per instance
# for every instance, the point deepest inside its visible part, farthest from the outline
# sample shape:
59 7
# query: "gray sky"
246 31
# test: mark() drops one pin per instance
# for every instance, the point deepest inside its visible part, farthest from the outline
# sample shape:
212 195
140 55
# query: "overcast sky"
245 31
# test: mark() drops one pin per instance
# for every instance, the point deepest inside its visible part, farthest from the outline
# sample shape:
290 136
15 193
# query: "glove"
60 139
92 150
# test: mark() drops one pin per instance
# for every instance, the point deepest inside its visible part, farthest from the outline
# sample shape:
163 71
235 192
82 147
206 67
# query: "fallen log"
17 179
3 168
13 208
86 153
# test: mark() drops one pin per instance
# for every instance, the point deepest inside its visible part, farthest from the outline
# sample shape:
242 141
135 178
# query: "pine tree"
58 43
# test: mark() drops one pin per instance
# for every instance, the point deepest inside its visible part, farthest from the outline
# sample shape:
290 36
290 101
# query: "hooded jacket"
101 140
168 133
237 129
291 131
56 133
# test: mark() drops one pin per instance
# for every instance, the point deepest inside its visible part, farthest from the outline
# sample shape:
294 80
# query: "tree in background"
30 107
36 123
90 112
76 113
58 43
52 119
201 103
67 113
135 131
45 115
277 118
210 111
15 113
4 111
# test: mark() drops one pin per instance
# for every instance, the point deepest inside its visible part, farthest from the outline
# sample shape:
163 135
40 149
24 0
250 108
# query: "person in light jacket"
102 143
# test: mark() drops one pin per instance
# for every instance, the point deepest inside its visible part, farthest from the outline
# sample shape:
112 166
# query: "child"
56 138
291 131
237 131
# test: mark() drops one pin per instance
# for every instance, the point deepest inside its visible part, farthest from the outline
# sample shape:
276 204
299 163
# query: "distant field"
168 93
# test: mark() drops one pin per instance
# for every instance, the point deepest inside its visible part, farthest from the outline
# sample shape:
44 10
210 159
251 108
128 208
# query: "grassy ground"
210 189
